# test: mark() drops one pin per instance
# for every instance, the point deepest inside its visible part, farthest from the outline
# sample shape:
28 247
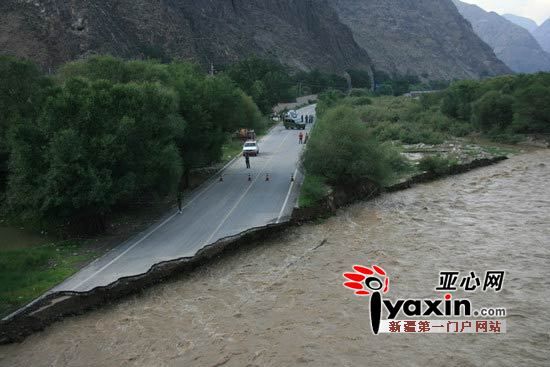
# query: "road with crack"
218 209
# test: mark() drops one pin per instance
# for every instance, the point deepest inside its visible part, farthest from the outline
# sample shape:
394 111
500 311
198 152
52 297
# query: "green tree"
533 109
115 70
266 81
22 91
95 145
493 111
458 99
342 151
360 79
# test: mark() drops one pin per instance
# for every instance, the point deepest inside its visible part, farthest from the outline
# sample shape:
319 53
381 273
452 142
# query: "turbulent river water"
281 302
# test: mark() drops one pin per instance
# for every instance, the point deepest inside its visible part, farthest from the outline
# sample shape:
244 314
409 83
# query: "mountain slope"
512 44
304 34
542 34
423 37
523 22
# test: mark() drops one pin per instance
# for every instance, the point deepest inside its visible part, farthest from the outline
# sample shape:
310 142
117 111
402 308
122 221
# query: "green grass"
230 149
27 273
313 191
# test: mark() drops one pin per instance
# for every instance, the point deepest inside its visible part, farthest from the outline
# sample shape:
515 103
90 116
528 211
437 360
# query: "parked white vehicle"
251 147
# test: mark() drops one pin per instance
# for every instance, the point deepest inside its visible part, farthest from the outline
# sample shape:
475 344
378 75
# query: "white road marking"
234 160
125 251
207 242
287 197
186 205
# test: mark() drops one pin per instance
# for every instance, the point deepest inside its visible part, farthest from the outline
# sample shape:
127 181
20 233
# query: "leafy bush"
342 151
437 165
532 109
493 111
313 190
458 99
361 101
328 100
360 93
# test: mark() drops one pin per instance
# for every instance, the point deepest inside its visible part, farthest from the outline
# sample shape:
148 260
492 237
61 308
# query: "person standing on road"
302 117
306 138
180 201
301 138
247 160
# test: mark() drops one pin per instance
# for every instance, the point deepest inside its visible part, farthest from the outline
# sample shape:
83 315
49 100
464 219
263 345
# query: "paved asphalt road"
216 210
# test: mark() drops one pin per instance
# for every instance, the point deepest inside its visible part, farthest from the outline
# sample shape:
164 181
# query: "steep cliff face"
542 34
512 44
304 34
422 37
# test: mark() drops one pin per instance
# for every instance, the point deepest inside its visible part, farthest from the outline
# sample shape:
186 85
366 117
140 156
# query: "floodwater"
281 303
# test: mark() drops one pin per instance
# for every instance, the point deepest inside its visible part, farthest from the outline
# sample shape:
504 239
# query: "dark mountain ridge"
424 37
304 34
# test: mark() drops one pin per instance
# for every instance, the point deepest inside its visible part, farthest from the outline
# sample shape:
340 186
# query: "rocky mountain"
304 34
422 37
542 34
523 22
512 44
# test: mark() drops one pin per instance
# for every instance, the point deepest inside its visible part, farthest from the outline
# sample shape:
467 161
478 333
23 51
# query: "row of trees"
103 132
269 82
503 105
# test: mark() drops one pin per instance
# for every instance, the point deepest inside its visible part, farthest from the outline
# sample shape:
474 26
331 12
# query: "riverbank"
279 301
53 307
32 263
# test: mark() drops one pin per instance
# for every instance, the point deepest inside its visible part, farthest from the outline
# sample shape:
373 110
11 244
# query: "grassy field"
27 273
230 149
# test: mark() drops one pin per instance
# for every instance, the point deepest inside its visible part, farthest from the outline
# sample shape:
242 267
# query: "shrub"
361 101
532 109
342 151
436 165
314 189
493 111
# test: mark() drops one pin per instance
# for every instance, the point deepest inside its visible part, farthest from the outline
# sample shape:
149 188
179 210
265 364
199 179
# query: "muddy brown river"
281 303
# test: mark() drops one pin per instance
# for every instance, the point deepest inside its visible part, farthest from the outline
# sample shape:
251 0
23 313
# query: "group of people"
307 118
303 138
